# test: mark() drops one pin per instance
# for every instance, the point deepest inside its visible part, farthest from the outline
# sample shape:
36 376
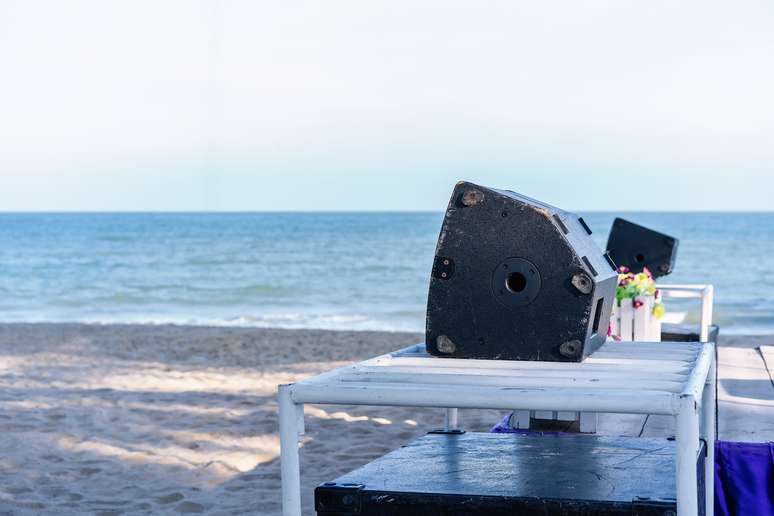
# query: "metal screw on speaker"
571 348
472 197
583 283
445 345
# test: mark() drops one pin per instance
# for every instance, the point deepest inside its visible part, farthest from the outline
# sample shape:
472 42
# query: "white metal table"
675 378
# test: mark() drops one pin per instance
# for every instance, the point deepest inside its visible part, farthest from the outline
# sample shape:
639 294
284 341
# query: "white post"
708 415
452 419
641 320
588 422
626 328
706 312
687 445
520 419
289 415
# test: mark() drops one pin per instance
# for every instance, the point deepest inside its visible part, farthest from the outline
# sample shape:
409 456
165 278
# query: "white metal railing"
703 292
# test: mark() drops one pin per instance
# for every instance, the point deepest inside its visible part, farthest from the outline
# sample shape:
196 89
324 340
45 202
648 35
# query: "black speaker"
516 279
636 246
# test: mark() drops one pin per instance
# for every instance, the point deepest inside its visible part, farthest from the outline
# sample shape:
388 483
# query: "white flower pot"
635 324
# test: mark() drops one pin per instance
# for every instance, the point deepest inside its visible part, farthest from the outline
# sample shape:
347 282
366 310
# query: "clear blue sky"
243 105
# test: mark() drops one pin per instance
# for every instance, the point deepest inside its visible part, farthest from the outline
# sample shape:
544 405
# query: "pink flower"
637 303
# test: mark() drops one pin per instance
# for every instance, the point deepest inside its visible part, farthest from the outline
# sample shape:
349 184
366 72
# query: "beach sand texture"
123 419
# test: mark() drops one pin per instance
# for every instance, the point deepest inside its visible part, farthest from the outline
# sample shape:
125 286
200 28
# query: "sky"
187 105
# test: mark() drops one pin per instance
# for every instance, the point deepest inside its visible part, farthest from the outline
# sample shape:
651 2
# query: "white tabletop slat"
643 376
591 373
511 381
590 364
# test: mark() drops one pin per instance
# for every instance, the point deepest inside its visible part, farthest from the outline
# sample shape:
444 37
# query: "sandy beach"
123 419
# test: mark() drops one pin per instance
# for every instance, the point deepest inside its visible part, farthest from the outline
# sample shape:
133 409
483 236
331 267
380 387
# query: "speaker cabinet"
516 279
636 247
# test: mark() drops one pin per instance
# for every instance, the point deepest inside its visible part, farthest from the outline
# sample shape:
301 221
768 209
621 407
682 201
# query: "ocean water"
314 270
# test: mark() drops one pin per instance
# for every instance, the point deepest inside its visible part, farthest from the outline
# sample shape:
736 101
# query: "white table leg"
521 419
452 419
708 416
289 432
687 447
588 422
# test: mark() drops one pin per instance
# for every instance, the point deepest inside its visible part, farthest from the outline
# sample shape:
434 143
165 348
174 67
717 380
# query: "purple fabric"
503 427
744 479
744 474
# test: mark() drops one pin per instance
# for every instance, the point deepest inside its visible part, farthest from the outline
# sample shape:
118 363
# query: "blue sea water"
313 270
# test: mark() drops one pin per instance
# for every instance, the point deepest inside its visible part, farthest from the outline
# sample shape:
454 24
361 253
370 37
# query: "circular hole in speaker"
516 282
640 258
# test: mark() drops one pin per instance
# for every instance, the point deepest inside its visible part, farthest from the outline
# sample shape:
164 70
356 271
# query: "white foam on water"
286 321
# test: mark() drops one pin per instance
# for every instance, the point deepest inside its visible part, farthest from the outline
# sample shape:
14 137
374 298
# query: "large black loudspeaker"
516 279
636 247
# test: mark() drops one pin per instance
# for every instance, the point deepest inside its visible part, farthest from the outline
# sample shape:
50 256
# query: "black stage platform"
511 474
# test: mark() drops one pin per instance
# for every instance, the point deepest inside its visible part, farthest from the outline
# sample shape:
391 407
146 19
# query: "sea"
340 271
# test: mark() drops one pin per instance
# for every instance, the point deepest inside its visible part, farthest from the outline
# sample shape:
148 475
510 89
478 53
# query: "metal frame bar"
452 419
290 461
708 411
694 369
705 293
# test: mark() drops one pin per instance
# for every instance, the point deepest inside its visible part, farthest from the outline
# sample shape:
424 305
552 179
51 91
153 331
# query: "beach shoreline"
146 419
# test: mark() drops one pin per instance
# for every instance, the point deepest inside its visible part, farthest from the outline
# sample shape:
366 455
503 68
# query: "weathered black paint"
511 474
636 246
516 279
